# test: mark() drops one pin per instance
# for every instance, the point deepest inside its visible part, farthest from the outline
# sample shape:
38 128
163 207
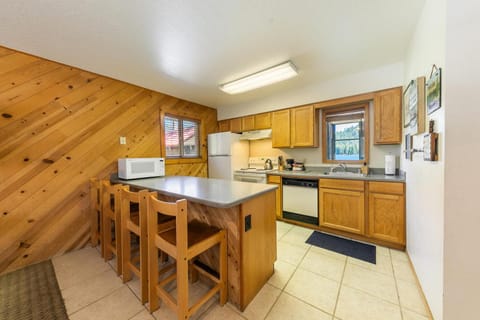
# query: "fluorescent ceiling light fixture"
262 78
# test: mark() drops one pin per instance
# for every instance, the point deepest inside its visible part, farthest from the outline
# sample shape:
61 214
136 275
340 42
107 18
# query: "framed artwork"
408 147
434 90
414 106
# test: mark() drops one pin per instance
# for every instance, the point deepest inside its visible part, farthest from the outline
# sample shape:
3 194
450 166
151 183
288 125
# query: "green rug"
31 293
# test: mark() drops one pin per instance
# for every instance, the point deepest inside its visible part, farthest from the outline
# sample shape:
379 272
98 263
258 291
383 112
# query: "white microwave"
136 168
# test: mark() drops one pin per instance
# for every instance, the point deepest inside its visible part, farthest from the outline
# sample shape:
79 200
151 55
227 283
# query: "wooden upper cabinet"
263 121
281 129
304 127
223 125
236 125
248 123
388 116
296 127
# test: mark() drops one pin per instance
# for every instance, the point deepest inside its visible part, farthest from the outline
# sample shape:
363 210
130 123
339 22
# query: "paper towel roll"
390 164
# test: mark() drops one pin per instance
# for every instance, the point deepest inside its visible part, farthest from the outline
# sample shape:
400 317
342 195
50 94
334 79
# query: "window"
181 137
345 134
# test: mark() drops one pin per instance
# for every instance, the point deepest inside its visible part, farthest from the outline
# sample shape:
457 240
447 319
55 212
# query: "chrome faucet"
340 165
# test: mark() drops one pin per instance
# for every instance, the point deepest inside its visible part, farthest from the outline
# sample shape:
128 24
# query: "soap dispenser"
364 169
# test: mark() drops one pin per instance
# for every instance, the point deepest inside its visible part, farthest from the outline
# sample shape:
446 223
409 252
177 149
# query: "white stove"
255 172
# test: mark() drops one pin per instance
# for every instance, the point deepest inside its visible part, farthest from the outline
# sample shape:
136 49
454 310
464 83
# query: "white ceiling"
186 48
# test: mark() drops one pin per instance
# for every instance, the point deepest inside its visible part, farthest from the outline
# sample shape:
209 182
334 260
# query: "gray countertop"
317 174
211 192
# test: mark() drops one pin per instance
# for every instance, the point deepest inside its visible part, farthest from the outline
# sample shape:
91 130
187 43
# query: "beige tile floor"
309 283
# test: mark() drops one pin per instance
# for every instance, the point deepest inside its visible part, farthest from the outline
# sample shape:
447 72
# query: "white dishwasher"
300 200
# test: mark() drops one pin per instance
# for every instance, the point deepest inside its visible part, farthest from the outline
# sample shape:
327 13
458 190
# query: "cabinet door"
248 123
386 217
303 127
277 180
223 125
342 210
236 125
388 116
263 121
281 129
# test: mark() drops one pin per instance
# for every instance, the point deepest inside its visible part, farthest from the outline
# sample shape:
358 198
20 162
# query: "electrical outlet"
123 140
248 222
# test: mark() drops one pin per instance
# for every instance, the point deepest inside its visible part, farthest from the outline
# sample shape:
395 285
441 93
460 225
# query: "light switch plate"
123 140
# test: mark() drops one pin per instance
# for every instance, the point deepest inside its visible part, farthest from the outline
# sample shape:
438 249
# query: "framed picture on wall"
434 91
414 106
408 147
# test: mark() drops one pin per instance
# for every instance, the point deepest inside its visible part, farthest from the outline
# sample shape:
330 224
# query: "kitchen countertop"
316 174
211 192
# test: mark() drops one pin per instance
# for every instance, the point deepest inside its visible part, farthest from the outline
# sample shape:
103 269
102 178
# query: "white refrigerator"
226 153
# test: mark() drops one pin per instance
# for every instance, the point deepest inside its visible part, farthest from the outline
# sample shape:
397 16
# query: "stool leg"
126 254
107 238
152 276
223 269
182 288
144 267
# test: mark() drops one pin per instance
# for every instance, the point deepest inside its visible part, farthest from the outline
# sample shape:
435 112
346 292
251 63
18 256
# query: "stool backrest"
111 193
178 210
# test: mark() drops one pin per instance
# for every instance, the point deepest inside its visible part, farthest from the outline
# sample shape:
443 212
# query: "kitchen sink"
344 174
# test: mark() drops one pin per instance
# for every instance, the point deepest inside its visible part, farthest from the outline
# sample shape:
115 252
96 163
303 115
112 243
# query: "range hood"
256 135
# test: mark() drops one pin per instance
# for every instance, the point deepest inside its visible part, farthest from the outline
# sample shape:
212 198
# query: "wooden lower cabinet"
342 210
370 211
272 179
386 212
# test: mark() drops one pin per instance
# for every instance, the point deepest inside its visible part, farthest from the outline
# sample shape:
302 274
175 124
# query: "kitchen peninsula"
245 210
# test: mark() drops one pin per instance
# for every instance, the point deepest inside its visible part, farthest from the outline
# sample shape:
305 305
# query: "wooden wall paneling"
65 225
15 60
41 207
25 73
67 133
197 169
24 91
30 127
22 128
5 51
25 119
63 128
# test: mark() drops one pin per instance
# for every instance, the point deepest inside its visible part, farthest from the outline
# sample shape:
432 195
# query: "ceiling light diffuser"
262 78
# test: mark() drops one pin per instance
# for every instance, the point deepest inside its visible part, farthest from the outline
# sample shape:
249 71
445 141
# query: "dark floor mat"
347 247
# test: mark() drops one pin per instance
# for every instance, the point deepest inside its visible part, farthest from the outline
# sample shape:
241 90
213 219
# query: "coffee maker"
289 164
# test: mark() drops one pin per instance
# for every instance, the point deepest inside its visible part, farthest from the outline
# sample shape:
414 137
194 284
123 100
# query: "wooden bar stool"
111 214
136 223
96 213
183 243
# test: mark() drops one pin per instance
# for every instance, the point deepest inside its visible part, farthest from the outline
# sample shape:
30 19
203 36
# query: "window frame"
181 158
366 131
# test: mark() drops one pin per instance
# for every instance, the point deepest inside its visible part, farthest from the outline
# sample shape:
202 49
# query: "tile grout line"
113 291
286 283
370 293
396 284
340 287
93 302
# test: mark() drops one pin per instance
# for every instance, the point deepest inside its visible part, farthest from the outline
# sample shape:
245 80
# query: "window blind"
181 137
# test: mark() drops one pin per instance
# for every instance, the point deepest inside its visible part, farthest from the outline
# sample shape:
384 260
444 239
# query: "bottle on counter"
364 169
